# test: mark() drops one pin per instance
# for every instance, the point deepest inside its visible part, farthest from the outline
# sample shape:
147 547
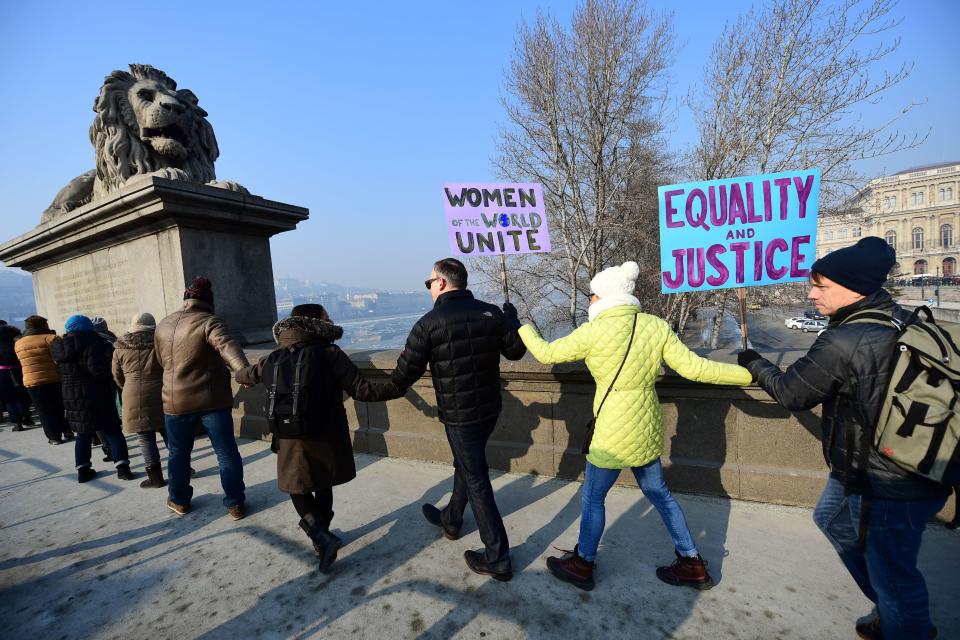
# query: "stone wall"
721 441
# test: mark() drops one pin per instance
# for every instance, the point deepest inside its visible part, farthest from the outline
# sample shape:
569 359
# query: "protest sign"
738 232
489 218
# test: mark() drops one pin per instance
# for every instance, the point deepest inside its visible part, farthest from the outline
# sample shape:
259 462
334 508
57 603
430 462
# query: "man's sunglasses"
429 282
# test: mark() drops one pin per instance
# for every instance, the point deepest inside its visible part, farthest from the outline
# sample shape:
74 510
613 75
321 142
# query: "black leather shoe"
433 516
477 564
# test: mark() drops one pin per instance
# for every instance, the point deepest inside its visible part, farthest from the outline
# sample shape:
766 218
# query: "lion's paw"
229 185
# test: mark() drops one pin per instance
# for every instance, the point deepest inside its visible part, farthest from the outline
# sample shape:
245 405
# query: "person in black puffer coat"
13 395
848 370
89 394
462 340
310 464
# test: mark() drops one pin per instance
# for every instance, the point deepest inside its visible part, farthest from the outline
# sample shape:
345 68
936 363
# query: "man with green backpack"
887 380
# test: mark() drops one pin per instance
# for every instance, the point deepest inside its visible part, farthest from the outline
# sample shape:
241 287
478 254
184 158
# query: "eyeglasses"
429 282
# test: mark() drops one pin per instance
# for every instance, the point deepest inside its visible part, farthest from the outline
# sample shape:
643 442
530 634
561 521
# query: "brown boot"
686 572
871 631
154 477
570 567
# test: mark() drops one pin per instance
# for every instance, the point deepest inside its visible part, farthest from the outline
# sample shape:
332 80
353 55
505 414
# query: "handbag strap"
633 330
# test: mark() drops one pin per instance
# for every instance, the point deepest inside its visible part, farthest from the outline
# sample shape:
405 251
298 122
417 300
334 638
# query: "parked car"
793 323
812 325
814 315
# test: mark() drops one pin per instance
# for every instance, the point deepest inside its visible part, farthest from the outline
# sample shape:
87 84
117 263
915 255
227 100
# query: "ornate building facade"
917 211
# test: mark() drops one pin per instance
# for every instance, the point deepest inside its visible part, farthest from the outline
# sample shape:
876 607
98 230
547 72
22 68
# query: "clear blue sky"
359 111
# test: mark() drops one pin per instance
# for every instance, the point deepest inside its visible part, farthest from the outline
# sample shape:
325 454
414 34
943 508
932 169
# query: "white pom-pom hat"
616 280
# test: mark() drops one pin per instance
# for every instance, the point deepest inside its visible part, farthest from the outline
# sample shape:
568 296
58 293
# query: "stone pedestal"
136 250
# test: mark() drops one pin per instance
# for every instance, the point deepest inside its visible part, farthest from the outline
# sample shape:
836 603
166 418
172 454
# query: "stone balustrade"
721 441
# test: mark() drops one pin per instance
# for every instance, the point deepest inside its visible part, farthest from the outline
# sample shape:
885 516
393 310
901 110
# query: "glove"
746 357
510 316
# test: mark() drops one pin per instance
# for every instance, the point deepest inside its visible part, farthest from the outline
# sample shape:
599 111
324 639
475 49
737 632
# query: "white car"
812 325
794 323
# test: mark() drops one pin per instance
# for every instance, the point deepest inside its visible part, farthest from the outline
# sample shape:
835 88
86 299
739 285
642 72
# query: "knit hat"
36 322
863 268
308 311
614 280
199 289
78 323
142 322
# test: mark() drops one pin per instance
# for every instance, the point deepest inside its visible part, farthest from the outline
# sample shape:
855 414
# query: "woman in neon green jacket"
629 429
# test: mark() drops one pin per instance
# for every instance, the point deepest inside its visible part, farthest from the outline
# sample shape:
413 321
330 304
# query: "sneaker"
687 572
58 441
179 509
18 427
85 473
236 511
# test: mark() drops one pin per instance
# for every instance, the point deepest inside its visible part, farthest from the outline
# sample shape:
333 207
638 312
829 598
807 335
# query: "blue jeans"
596 485
84 443
180 434
886 571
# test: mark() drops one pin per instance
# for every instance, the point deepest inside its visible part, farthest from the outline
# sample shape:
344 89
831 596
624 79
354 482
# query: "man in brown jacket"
42 378
195 351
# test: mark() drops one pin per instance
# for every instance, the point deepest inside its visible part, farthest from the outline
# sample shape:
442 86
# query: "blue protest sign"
738 232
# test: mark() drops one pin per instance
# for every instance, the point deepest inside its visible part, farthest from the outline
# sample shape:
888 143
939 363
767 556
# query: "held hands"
746 357
510 316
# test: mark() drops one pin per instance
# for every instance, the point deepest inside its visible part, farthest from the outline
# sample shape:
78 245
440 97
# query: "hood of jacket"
139 340
31 331
297 329
609 302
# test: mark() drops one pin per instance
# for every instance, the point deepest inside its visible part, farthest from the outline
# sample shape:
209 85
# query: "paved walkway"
108 560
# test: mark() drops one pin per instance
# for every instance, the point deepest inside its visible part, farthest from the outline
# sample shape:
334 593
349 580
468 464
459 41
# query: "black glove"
746 357
510 316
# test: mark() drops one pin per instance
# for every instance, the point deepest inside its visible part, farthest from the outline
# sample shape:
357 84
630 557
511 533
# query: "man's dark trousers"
471 482
48 400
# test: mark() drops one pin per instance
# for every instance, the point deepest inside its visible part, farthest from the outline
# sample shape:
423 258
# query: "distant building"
917 211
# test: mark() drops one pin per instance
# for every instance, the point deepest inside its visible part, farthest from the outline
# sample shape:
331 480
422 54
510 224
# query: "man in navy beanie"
848 370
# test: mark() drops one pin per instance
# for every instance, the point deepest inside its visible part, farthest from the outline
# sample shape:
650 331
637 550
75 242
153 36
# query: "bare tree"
784 89
585 119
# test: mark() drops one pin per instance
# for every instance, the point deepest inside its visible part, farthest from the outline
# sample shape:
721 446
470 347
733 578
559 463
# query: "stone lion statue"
144 126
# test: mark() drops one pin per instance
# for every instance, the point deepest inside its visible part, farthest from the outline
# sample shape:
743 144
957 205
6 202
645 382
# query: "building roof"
927 167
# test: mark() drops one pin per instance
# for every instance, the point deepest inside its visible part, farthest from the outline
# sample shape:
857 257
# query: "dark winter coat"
461 339
89 393
847 370
11 375
140 377
325 457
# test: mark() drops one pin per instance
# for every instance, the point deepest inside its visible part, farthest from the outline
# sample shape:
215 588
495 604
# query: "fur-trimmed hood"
303 329
139 340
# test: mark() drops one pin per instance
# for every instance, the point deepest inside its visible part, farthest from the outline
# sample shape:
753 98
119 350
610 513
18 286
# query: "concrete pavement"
107 560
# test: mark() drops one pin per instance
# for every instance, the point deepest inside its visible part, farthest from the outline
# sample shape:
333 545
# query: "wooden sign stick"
503 274
742 297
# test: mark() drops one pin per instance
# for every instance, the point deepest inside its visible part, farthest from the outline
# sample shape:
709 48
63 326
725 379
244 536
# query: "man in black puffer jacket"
847 370
462 339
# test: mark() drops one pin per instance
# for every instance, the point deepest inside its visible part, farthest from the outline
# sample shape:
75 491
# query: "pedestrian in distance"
306 377
871 510
89 393
137 372
13 395
624 348
462 339
41 378
198 355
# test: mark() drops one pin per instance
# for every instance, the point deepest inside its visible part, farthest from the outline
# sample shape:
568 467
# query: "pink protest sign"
494 218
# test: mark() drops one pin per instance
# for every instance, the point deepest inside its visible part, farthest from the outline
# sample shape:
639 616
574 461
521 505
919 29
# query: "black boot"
85 473
154 477
501 571
18 424
325 543
123 472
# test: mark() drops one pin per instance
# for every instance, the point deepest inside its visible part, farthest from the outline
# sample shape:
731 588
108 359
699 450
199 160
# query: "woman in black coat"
89 394
309 465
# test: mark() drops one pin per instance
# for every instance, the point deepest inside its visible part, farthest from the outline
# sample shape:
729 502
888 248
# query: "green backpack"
919 425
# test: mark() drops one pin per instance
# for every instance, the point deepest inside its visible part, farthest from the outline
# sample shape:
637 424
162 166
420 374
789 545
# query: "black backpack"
285 373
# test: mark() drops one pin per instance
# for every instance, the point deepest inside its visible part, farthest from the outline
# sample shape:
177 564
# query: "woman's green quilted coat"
629 430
